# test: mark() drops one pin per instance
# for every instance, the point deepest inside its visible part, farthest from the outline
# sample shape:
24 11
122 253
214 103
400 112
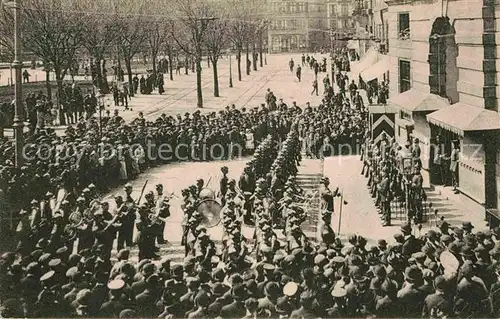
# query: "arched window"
443 72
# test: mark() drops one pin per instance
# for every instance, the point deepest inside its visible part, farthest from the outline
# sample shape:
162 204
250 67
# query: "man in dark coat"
235 309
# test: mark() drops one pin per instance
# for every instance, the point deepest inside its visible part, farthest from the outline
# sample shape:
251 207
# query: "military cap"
72 272
80 199
34 201
128 313
338 259
419 256
268 267
44 258
128 185
47 276
320 260
116 284
54 262
36 254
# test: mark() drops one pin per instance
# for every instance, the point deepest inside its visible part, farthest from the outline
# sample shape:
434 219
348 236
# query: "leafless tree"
241 28
6 33
132 33
215 43
53 31
99 35
192 18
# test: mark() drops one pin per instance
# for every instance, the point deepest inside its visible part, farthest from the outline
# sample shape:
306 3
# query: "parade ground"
359 216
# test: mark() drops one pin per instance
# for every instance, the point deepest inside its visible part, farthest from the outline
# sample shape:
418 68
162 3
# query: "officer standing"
384 198
327 198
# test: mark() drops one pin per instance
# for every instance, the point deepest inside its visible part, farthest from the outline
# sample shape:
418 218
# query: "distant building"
297 26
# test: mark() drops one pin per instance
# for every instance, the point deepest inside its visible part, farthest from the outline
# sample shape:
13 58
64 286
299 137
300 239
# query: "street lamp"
17 64
100 98
230 69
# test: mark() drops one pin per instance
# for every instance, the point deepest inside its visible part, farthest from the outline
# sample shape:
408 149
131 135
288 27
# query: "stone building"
297 25
443 87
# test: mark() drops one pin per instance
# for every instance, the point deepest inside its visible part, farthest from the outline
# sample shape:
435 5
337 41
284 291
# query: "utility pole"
17 64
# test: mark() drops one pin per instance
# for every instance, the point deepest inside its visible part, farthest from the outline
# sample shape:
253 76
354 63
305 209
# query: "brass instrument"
155 217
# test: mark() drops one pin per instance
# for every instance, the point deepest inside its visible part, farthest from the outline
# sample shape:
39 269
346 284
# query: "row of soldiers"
393 174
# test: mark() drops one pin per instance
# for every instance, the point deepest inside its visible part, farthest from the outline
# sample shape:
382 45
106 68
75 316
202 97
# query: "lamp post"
230 69
17 64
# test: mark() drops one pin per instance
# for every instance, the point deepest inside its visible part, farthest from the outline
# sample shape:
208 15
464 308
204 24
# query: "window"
344 10
333 9
404 76
404 26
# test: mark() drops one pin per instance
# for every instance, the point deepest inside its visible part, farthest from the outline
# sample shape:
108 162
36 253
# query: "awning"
369 59
352 44
418 101
461 117
377 70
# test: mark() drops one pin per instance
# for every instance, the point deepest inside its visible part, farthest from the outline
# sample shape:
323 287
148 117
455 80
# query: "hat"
440 283
271 289
382 243
238 292
406 228
127 313
116 284
54 262
467 225
47 276
290 289
413 274
123 254
339 292
62 250
72 272
269 267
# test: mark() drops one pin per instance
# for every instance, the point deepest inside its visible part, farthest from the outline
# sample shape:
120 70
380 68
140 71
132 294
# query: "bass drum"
210 210
207 193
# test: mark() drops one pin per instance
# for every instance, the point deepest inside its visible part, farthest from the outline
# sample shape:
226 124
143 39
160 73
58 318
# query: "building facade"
443 85
297 26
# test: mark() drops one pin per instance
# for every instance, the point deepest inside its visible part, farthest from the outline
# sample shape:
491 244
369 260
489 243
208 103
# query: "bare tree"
132 36
6 33
242 19
99 35
215 42
53 31
169 46
192 19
